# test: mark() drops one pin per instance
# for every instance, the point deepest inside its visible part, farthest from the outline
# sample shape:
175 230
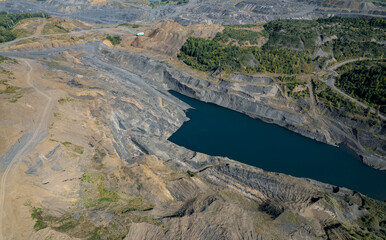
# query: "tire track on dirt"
43 120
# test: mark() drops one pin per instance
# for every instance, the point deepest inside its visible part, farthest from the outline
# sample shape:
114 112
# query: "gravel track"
33 140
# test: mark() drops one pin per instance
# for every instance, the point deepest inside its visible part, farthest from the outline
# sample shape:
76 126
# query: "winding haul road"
43 119
331 83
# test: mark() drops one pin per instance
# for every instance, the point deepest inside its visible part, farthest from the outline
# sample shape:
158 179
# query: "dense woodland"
290 49
308 34
239 36
365 81
8 21
290 45
210 55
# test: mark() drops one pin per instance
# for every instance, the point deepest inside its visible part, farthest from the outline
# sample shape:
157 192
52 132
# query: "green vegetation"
190 173
344 49
137 204
370 225
95 194
289 47
11 90
365 81
159 3
369 149
375 221
344 106
209 55
82 225
100 192
66 100
288 52
115 40
334 100
57 115
19 33
102 197
239 36
346 37
73 147
54 27
8 21
280 60
294 87
293 34
130 25
15 98
4 59
37 214
25 27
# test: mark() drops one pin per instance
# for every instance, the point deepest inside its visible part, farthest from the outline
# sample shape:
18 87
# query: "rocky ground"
195 11
85 153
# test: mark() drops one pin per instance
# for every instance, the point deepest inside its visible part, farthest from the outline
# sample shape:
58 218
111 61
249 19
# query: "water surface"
219 131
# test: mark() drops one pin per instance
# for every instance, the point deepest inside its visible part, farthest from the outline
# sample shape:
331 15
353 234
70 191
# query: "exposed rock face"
256 97
199 12
130 182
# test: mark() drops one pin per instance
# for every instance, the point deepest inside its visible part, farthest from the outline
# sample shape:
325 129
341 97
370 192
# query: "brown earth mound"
168 37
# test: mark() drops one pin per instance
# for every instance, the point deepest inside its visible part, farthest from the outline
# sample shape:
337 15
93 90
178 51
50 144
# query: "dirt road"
42 124
331 83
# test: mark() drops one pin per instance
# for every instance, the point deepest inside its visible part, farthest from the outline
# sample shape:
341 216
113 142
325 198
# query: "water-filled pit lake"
218 131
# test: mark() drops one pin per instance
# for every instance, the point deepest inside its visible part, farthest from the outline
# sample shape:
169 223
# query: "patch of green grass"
8 21
137 204
37 214
7 59
160 3
94 235
115 40
371 150
73 147
67 224
241 36
95 195
19 33
15 98
290 83
106 194
190 173
66 100
129 25
11 89
86 178
54 27
336 102
160 224
91 178
58 116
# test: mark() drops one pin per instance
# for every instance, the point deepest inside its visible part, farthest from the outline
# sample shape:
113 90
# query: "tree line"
9 20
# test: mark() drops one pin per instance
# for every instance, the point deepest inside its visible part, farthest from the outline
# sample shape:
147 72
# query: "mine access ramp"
130 31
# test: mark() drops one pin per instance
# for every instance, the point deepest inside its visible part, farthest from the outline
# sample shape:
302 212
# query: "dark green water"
221 132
